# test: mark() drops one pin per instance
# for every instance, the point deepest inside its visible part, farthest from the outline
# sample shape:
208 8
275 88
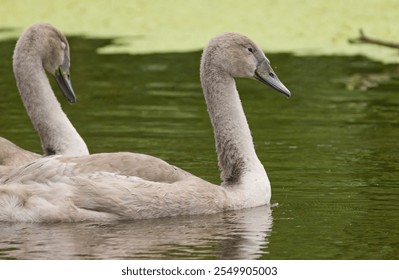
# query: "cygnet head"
239 57
43 42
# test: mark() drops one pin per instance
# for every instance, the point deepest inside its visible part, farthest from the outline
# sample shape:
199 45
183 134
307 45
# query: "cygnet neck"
233 140
57 134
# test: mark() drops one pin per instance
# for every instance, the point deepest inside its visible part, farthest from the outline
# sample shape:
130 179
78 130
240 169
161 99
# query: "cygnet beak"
63 79
266 75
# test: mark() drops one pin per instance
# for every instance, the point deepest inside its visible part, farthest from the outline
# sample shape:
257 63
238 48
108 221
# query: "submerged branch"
364 39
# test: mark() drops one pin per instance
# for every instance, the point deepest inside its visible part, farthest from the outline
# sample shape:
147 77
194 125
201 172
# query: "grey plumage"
40 48
118 186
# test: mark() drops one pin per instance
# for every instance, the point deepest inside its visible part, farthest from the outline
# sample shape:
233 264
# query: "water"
233 235
330 152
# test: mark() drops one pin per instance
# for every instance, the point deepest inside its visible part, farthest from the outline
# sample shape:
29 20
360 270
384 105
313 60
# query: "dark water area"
331 153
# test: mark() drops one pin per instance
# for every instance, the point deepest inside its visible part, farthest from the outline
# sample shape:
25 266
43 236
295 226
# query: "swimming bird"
41 48
117 186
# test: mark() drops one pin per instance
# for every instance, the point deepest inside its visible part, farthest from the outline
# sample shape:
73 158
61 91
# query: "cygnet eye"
250 50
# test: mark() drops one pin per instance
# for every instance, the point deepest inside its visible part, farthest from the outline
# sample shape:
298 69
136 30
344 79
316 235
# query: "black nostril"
271 75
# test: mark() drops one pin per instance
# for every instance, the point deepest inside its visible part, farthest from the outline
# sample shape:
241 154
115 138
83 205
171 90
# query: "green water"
331 153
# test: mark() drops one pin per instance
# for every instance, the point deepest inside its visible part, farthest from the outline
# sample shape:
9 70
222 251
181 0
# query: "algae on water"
138 26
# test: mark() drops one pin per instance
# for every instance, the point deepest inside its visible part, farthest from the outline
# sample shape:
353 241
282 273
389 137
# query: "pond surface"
331 153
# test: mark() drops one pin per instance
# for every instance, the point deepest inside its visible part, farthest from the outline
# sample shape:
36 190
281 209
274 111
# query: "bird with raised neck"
117 186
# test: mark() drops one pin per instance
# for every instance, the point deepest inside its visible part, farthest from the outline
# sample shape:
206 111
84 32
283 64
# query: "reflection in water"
230 235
